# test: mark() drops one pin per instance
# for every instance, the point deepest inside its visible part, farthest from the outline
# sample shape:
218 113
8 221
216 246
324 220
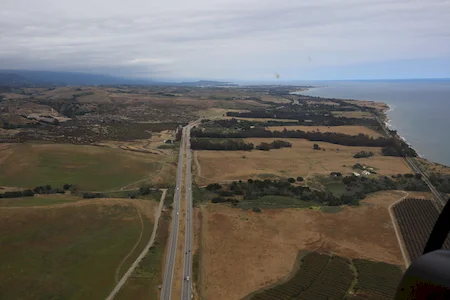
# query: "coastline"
384 108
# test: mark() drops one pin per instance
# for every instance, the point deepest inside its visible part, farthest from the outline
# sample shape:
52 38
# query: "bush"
299 178
363 154
316 147
256 209
291 180
213 187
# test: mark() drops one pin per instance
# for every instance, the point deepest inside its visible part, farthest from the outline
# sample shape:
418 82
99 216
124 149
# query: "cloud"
243 39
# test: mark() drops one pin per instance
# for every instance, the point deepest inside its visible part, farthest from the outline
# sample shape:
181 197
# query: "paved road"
186 286
166 289
441 200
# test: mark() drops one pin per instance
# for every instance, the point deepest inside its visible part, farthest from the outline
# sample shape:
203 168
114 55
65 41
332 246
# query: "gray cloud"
219 39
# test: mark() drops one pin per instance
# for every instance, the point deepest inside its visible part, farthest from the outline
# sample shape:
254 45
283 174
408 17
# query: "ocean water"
420 110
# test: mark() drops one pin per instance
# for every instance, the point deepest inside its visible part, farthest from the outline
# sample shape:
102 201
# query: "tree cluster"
254 189
363 154
278 144
17 194
207 144
329 137
235 145
441 182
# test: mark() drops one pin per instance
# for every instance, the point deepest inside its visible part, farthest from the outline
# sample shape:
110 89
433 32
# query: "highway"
186 285
166 289
440 199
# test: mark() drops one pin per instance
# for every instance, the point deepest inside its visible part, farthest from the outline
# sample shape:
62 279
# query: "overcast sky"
229 39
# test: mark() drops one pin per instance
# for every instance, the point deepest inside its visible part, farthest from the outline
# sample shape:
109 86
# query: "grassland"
69 251
351 130
144 282
89 167
267 254
300 160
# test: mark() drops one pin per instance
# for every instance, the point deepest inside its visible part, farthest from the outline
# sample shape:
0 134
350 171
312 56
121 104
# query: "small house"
365 173
356 174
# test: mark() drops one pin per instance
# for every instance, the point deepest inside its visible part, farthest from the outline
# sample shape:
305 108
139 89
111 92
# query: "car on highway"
178 213
187 278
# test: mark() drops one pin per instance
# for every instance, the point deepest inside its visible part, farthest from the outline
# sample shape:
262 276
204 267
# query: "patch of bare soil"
244 251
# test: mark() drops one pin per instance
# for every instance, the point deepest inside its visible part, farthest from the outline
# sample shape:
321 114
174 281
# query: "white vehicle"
178 213
187 278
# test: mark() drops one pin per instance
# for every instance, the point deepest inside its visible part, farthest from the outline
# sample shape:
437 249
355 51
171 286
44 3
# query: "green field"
337 188
89 167
144 282
69 252
323 276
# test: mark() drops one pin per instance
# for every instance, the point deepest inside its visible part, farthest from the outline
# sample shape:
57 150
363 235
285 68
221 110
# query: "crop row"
416 219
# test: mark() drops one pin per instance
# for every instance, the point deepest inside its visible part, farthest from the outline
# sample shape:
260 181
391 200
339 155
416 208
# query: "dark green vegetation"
416 219
233 145
376 280
336 190
88 167
363 154
323 276
144 282
144 192
64 253
441 182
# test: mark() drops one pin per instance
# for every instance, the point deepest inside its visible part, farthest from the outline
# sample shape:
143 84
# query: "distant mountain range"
16 78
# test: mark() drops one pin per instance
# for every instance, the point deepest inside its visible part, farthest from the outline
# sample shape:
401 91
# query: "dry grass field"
243 251
89 167
71 250
300 160
372 104
351 130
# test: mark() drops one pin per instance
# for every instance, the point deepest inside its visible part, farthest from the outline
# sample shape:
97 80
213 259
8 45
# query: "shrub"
256 209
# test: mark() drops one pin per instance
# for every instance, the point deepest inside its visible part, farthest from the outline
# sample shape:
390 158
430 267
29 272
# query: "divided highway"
166 289
186 286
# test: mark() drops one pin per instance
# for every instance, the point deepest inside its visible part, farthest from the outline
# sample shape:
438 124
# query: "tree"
316 147
299 178
250 181
418 176
291 180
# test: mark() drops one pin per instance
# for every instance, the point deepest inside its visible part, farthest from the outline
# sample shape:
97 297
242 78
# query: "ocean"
419 109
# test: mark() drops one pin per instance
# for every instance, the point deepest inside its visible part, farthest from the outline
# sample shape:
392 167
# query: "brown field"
364 103
353 114
351 130
244 251
300 160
